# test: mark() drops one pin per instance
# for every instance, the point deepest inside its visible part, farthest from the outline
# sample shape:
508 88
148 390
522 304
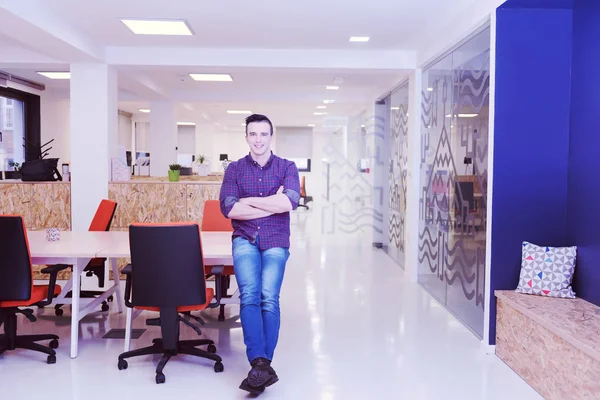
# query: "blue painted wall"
531 138
584 150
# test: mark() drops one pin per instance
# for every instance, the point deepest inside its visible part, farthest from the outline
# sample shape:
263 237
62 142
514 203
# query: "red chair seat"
38 293
210 294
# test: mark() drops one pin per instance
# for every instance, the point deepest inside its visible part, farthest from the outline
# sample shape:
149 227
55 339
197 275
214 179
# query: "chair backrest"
166 264
16 276
104 216
213 219
303 186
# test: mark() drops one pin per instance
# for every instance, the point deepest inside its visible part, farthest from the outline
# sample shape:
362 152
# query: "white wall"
124 137
55 124
186 139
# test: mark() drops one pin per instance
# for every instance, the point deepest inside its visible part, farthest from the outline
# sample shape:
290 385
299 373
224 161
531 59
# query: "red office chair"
17 289
101 222
166 275
214 221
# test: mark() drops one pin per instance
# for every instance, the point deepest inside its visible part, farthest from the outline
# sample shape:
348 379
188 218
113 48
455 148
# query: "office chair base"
10 341
183 347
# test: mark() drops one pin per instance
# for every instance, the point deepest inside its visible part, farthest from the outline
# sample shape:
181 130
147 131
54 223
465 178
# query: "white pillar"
162 138
413 191
93 138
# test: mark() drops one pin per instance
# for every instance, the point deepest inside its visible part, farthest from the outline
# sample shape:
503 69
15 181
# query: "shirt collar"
268 164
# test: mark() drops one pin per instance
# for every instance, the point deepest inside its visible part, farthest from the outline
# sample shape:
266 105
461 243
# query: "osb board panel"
16 199
51 206
147 203
196 196
575 320
551 365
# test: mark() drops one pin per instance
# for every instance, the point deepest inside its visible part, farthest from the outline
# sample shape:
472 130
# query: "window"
12 126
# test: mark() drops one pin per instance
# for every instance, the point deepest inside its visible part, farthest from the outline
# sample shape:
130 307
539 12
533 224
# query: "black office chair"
166 275
17 289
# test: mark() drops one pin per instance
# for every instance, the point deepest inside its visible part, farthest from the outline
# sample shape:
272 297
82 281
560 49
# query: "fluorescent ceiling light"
328 101
186 123
462 115
212 77
56 75
158 27
320 113
144 110
311 125
359 39
332 87
239 112
321 107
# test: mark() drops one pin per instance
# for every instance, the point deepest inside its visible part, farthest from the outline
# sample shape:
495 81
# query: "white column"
162 138
93 138
413 191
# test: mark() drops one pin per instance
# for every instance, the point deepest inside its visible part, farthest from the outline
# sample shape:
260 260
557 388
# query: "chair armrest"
127 271
53 270
217 271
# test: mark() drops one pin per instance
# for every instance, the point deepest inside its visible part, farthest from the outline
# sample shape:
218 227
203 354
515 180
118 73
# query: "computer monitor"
223 157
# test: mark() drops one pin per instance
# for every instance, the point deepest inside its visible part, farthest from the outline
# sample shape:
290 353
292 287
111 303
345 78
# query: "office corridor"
352 328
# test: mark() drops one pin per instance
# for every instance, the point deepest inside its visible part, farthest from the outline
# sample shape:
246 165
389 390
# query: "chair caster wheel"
122 365
219 367
212 348
51 359
160 378
58 312
104 306
110 298
221 318
54 344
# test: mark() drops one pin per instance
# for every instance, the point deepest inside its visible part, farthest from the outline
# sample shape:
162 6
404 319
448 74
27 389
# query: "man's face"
258 136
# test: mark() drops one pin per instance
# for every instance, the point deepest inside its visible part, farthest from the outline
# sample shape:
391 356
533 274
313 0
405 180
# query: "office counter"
48 204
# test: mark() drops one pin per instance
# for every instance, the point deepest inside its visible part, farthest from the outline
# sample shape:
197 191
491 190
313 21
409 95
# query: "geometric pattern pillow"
547 271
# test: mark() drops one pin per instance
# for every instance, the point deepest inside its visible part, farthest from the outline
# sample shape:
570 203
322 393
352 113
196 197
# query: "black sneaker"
262 374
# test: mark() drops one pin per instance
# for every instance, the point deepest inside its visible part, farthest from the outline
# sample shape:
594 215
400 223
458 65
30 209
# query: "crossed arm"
259 207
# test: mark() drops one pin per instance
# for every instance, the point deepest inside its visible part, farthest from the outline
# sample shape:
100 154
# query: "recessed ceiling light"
158 27
56 75
395 108
311 125
320 113
239 112
144 110
212 77
359 39
430 89
332 87
186 123
328 101
321 107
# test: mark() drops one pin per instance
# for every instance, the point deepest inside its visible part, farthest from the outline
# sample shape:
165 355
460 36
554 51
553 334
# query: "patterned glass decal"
453 202
398 173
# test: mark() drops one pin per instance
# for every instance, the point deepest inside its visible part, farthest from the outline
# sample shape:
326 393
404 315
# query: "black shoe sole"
258 390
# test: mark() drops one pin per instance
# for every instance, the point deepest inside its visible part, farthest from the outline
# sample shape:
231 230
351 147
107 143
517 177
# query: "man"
257 194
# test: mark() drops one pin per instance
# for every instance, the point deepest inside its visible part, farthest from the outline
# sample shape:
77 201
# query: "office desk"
76 249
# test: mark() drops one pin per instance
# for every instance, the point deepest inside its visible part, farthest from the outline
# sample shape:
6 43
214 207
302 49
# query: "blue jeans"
259 275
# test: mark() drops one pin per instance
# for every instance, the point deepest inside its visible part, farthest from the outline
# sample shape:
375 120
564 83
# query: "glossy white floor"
352 328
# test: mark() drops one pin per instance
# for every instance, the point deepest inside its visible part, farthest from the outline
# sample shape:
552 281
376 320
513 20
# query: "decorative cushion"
547 271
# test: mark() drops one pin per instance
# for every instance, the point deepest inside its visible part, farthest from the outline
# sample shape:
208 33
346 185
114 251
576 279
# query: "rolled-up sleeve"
229 194
291 184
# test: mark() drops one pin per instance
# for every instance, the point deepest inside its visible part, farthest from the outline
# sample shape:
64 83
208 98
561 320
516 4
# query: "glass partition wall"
453 198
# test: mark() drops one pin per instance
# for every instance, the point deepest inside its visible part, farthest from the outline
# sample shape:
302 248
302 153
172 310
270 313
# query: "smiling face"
259 136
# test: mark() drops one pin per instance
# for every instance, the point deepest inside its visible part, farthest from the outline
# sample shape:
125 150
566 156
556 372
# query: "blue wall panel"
531 138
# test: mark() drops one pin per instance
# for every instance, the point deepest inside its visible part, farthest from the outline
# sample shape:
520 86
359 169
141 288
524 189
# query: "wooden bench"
553 344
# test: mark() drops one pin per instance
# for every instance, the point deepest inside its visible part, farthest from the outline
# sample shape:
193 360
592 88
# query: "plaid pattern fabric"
547 271
246 178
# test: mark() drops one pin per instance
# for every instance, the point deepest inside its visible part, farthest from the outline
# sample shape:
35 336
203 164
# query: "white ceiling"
309 42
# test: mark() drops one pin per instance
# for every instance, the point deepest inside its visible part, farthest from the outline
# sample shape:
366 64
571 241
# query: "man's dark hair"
258 118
